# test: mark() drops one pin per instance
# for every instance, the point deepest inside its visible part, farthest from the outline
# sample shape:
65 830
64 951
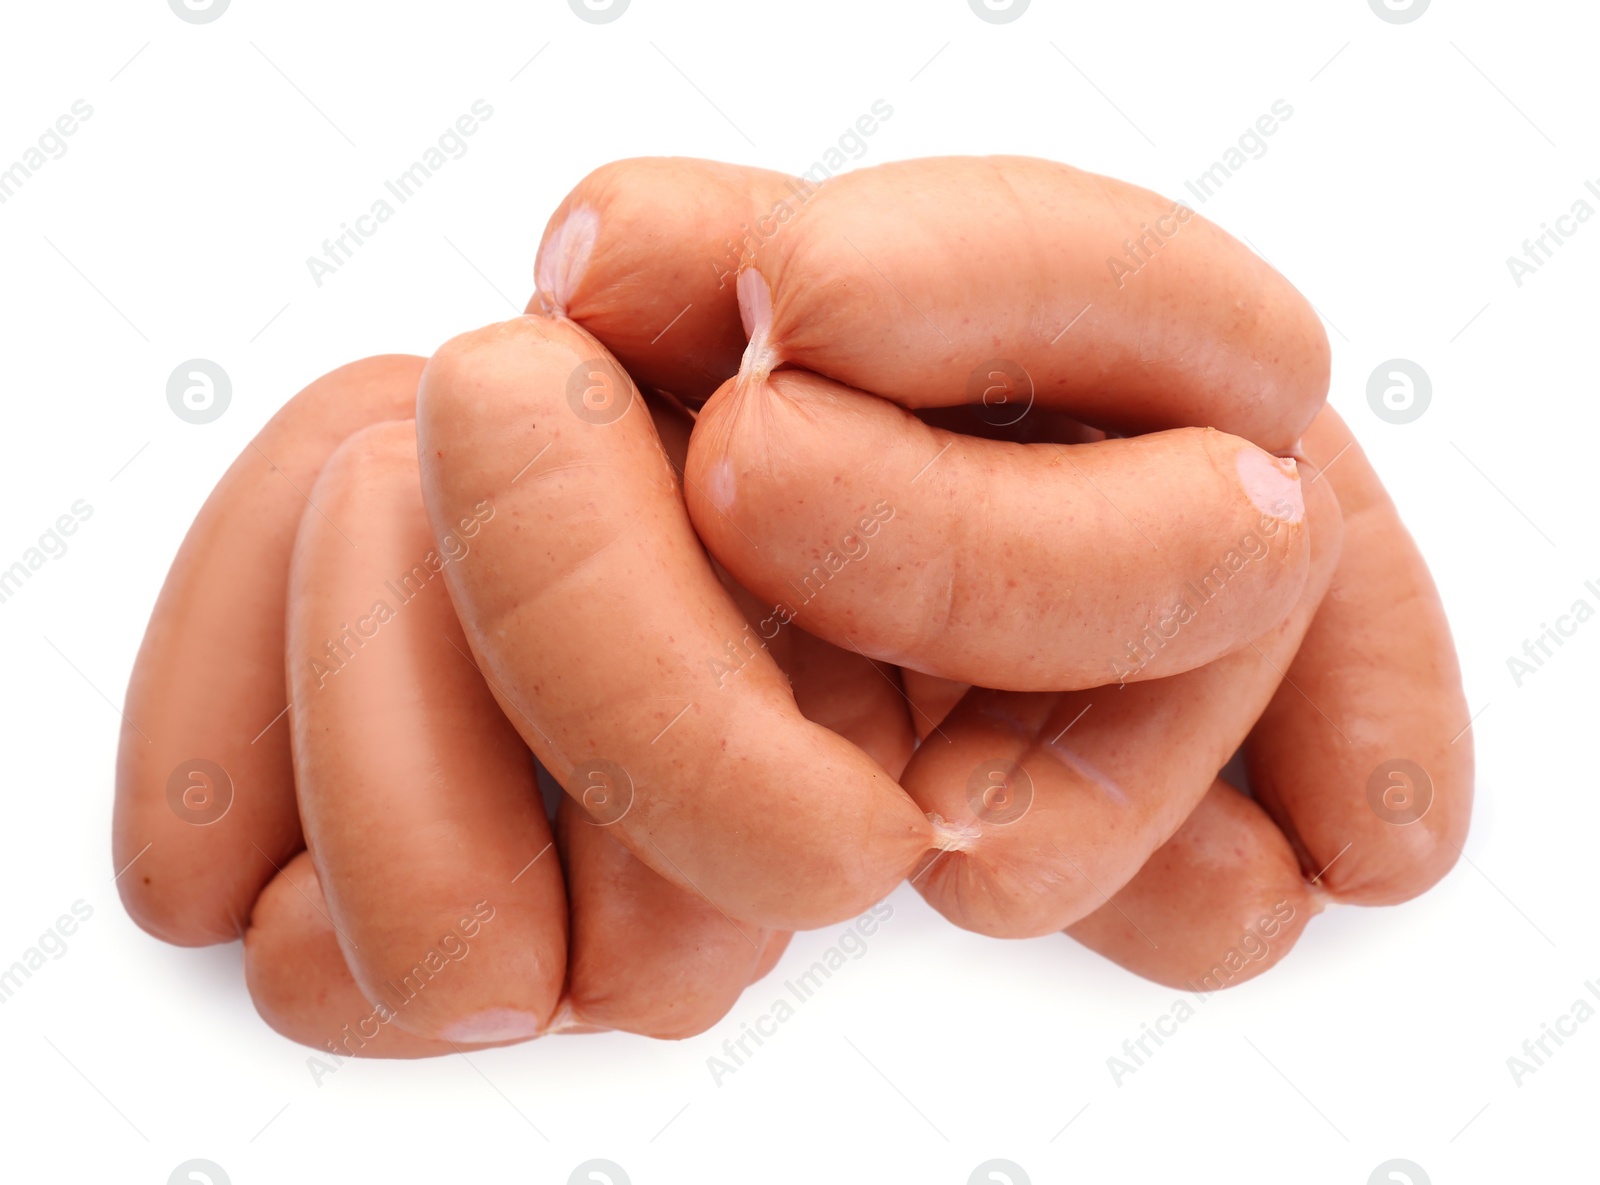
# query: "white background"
219 156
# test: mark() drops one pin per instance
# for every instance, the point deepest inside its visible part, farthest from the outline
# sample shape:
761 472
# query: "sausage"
610 250
644 951
849 694
644 254
418 798
842 690
1020 567
302 988
1364 756
205 810
920 280
597 621
1216 905
1060 798
647 956
932 698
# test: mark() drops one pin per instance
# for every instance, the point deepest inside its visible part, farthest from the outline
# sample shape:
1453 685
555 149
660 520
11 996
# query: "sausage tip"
1272 483
755 312
953 837
493 1025
564 258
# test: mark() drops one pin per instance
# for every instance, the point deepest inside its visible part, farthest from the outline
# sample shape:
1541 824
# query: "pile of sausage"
813 538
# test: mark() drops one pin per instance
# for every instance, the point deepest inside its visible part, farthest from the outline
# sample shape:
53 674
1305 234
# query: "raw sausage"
597 620
1061 798
1216 905
1364 756
1022 567
418 798
205 810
